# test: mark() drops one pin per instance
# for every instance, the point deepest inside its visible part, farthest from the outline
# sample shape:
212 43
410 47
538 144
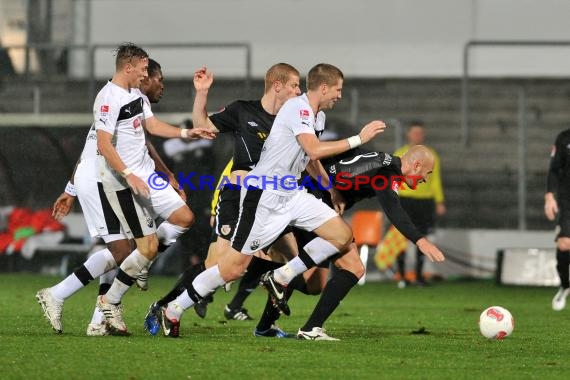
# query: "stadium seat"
367 231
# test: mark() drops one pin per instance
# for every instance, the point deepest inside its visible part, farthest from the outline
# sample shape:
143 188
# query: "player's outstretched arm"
157 127
317 149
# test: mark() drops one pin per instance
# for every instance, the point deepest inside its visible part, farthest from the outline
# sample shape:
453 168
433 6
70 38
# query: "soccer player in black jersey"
557 203
360 175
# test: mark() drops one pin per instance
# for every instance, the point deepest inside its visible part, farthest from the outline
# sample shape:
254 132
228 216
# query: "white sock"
318 249
131 267
108 277
205 283
100 262
168 233
105 278
97 264
287 272
66 288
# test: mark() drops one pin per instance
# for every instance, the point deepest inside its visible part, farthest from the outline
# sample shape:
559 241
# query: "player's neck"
313 101
120 81
270 104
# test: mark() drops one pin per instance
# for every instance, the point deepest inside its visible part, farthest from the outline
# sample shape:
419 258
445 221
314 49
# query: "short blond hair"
323 73
280 72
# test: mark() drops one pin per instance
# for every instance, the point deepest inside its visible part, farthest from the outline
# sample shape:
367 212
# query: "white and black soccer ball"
496 322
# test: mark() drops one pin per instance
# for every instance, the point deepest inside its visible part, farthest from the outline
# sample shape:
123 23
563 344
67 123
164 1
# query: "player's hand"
200 133
62 206
430 250
138 186
370 130
440 209
203 79
337 200
550 206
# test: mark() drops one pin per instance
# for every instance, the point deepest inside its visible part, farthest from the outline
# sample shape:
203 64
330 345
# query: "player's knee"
344 238
186 219
120 249
148 247
563 243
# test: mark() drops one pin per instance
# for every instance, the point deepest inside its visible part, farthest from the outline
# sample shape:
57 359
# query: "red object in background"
22 218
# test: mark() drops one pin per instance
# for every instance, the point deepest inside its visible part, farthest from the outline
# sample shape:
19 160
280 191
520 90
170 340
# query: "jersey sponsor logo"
104 109
262 135
253 123
136 123
149 221
387 160
128 110
304 114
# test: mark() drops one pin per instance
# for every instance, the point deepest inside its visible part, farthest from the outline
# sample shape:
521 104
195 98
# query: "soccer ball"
496 322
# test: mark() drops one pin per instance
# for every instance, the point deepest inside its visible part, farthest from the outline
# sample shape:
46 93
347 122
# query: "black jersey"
559 174
250 124
358 175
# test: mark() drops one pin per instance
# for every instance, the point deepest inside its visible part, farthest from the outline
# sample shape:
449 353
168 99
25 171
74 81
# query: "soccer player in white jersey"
274 200
101 221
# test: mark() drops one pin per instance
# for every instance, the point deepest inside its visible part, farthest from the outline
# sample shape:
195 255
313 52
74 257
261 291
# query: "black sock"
419 265
248 283
401 261
103 288
187 277
298 283
269 316
337 288
562 266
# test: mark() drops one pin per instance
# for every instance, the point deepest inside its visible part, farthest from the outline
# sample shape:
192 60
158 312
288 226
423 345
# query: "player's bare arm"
107 150
63 204
430 250
203 79
157 127
550 206
317 149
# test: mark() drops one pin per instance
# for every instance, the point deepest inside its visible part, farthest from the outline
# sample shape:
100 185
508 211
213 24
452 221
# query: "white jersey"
121 113
282 159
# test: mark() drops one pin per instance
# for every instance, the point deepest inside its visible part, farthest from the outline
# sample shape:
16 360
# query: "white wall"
362 37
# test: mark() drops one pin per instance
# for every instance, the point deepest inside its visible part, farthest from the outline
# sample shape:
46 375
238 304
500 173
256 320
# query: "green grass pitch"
376 325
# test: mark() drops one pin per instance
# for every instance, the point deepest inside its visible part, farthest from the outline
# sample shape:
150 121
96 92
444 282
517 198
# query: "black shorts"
421 212
227 211
563 220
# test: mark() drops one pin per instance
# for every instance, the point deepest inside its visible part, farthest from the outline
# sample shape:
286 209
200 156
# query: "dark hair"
416 123
153 68
126 52
323 73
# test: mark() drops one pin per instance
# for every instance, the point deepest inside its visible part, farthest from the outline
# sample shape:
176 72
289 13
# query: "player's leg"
97 326
350 270
136 219
562 255
99 218
333 233
229 268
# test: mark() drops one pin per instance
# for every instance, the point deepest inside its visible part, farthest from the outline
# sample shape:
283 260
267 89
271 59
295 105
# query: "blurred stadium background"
489 78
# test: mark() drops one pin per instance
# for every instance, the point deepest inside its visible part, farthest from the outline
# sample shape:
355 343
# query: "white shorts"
264 215
136 214
99 216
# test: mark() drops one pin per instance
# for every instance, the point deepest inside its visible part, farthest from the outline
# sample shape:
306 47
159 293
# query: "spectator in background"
557 202
422 204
